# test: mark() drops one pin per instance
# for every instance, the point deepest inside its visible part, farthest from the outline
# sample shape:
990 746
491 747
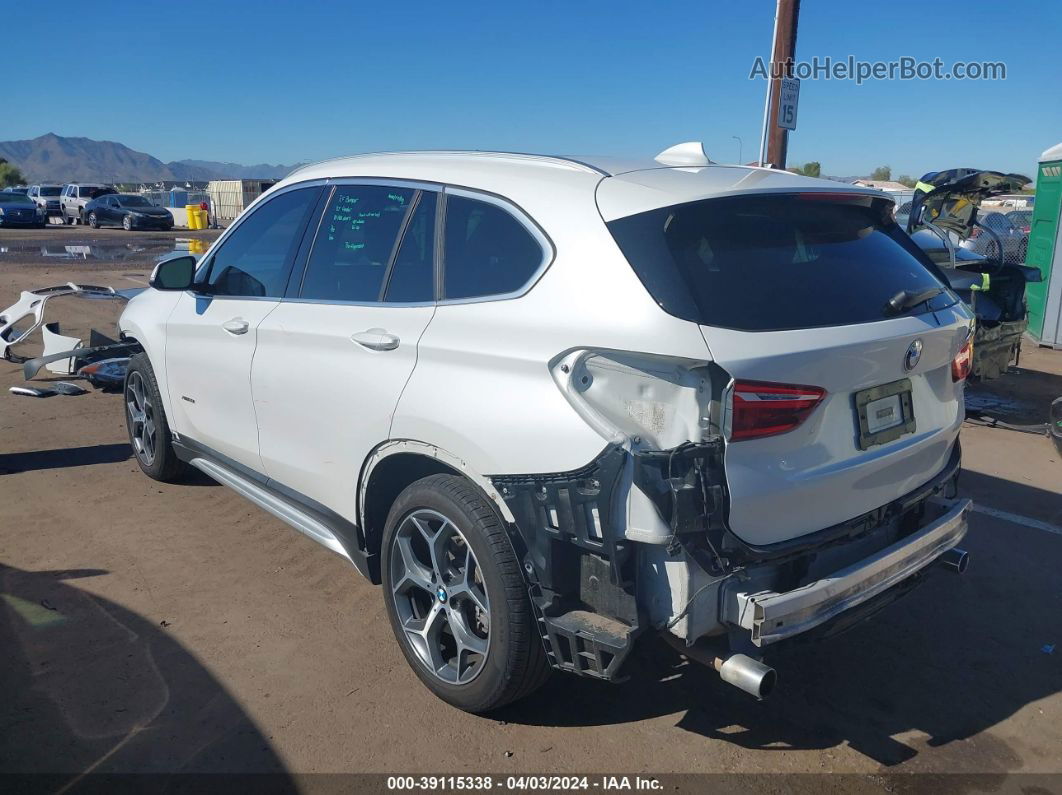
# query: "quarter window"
254 260
413 274
487 251
355 242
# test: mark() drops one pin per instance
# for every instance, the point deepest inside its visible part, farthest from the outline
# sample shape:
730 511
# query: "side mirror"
174 274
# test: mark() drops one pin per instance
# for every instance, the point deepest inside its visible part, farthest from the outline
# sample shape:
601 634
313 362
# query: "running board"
274 503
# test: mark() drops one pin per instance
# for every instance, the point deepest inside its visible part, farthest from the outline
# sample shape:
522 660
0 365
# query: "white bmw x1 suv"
550 404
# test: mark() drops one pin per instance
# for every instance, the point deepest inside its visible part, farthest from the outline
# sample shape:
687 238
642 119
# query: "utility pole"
741 159
775 140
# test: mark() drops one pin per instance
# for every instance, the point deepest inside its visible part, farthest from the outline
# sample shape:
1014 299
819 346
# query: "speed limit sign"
787 102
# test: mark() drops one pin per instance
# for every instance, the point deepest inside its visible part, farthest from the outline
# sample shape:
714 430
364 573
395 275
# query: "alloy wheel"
440 596
142 428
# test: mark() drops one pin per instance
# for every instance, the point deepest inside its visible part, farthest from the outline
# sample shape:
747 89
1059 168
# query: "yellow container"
192 211
203 218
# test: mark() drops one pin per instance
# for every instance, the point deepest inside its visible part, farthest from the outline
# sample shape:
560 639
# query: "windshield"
780 261
16 198
134 201
51 190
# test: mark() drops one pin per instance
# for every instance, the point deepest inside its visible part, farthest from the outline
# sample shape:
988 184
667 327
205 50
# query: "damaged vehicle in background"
570 402
946 224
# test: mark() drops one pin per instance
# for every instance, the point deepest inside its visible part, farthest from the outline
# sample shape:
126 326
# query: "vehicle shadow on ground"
10 463
947 662
14 463
88 686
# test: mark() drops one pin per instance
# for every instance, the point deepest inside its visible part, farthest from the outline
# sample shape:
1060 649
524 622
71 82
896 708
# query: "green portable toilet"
1045 252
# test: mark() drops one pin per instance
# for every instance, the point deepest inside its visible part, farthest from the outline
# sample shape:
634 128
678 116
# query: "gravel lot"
148 627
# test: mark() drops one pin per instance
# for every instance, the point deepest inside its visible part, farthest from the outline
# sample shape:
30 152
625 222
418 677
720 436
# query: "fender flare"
395 446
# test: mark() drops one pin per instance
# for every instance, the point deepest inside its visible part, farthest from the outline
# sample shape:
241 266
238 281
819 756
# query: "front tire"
456 597
145 419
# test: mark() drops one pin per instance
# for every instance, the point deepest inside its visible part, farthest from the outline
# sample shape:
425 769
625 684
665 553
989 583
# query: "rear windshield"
781 261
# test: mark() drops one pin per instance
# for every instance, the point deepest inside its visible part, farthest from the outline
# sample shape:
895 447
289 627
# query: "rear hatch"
838 336
950 199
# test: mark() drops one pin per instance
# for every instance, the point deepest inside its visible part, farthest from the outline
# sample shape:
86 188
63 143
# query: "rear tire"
94 222
145 419
483 603
127 223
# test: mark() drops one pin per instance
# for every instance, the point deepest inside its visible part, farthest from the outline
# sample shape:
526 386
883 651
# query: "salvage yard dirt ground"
150 627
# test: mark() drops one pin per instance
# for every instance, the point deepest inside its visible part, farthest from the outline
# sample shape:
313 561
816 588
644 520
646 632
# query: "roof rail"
463 152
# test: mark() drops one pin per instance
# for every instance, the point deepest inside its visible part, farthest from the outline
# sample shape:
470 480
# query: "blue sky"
289 81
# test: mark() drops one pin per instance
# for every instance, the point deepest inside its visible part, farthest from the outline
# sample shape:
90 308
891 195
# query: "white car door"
212 332
333 358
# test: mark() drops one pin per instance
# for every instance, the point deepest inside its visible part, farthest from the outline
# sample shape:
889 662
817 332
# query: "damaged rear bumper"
771 617
600 573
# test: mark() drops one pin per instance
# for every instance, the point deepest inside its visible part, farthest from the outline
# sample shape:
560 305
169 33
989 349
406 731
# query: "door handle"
376 339
236 326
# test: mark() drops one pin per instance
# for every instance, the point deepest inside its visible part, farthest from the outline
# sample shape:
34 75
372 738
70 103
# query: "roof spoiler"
690 153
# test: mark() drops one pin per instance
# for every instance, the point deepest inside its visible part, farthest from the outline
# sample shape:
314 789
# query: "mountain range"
58 159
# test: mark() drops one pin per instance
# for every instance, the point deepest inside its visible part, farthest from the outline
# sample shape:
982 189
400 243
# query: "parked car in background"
22 189
47 197
75 196
1021 219
1009 244
127 210
17 209
558 404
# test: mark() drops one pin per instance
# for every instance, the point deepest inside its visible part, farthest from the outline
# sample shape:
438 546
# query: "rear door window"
773 262
486 250
355 242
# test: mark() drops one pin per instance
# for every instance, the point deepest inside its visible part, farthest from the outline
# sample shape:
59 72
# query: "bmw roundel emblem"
914 353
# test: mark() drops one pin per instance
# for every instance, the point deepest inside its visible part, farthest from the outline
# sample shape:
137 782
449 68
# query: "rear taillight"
765 409
963 362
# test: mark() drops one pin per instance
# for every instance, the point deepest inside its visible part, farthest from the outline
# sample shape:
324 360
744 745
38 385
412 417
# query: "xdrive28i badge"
914 353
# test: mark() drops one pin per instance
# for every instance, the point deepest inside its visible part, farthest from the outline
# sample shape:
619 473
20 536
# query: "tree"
882 173
812 169
10 175
904 179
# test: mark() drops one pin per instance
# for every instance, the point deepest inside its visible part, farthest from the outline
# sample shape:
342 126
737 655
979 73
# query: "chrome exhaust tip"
956 559
740 670
747 674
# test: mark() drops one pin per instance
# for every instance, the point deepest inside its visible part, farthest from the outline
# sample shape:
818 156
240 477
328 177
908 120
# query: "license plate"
884 413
